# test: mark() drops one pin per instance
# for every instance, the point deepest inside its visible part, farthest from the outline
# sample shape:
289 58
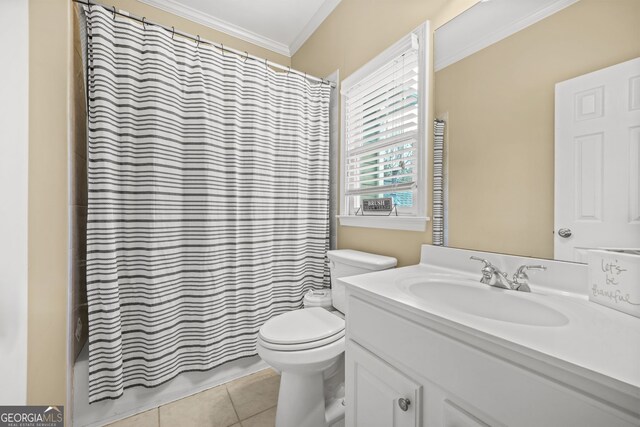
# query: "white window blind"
382 129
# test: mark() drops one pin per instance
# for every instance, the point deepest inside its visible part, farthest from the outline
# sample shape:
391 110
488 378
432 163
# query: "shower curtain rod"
243 55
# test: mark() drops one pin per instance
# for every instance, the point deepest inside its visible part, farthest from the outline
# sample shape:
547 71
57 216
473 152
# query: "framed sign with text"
377 206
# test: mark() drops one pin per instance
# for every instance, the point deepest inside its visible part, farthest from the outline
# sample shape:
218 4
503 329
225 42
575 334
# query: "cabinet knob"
404 404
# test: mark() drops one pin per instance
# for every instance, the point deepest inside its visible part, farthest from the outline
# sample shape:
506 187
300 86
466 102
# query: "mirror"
496 70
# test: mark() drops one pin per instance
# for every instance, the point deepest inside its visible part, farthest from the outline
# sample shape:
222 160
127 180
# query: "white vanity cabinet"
382 396
454 377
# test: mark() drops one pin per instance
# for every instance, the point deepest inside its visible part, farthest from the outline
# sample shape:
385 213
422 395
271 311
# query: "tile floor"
246 402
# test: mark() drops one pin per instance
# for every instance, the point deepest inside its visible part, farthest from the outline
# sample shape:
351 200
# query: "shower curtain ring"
144 26
246 56
173 32
114 12
222 48
265 63
198 41
288 71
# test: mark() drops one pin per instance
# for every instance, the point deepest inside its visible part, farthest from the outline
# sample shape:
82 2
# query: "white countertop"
595 339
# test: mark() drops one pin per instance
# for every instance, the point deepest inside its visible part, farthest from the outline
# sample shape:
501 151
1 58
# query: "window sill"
407 223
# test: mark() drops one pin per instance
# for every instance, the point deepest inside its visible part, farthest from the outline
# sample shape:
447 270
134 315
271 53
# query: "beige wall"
354 33
500 105
49 41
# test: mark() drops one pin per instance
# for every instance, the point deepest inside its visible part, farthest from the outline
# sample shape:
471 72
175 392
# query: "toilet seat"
310 345
304 329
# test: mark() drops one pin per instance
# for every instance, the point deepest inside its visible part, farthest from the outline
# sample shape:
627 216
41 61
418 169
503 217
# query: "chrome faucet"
521 279
493 276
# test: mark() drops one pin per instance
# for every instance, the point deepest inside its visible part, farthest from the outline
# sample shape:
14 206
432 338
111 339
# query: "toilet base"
301 400
334 412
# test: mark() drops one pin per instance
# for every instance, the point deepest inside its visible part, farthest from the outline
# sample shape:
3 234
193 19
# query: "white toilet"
307 347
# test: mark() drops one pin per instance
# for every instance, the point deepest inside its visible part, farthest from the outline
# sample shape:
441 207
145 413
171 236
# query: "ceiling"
488 22
278 25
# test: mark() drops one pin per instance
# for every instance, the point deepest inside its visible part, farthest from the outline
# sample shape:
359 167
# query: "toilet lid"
301 326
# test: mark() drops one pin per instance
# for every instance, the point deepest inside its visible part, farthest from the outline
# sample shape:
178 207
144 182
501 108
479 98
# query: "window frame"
412 219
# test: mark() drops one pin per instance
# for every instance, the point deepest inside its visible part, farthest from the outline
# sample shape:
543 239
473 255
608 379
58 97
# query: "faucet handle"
522 268
488 269
486 263
521 279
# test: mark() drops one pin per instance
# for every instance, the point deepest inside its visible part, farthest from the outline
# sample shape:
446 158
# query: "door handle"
564 233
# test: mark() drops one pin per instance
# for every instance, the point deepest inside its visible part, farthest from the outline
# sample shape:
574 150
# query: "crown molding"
318 18
501 33
199 17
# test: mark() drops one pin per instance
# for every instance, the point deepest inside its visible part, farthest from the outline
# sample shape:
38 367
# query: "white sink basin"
483 301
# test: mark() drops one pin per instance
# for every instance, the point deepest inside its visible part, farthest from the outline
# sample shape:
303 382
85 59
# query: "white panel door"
378 395
597 161
14 212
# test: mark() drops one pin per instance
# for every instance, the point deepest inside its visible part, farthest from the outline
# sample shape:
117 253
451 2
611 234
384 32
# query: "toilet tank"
347 262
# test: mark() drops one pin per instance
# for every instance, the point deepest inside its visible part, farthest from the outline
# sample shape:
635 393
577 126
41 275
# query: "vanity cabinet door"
455 416
378 395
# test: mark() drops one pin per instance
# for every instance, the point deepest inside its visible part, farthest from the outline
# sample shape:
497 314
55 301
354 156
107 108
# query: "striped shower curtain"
208 202
439 208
